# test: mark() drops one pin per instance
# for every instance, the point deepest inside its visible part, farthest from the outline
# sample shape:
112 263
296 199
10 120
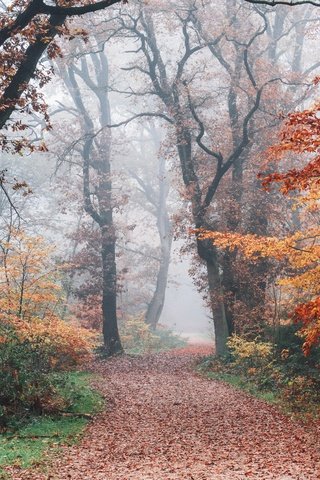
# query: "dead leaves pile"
164 422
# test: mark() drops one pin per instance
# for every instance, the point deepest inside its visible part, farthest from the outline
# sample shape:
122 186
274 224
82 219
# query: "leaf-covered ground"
163 421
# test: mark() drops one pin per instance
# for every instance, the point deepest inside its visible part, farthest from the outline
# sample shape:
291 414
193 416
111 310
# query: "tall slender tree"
154 187
91 71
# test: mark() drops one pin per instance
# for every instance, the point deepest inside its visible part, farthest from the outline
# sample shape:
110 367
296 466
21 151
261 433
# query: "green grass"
29 444
302 408
242 383
80 395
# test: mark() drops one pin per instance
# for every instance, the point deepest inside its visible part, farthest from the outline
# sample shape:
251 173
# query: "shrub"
299 374
25 383
289 353
66 344
137 337
253 359
249 353
301 393
34 340
27 363
279 367
168 339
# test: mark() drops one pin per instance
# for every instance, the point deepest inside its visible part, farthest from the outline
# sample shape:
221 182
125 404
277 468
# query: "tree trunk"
222 331
112 343
97 158
230 288
155 307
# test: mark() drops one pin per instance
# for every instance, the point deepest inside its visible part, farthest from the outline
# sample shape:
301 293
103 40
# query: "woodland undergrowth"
31 440
277 370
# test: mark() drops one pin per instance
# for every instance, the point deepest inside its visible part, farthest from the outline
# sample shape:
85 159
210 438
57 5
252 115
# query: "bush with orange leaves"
31 300
35 341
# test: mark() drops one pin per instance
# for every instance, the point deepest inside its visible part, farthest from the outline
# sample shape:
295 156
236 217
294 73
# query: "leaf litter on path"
162 421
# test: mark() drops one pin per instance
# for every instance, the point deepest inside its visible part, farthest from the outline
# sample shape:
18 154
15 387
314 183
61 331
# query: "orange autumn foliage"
300 135
299 252
31 300
309 315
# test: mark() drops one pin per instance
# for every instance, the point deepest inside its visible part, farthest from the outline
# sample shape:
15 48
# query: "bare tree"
206 154
155 192
91 71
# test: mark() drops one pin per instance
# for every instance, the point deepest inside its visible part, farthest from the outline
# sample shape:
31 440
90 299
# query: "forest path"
163 422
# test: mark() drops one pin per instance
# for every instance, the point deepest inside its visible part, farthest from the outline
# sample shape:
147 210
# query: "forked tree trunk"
96 156
156 304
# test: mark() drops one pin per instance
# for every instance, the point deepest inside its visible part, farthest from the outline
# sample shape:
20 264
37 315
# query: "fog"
157 123
184 308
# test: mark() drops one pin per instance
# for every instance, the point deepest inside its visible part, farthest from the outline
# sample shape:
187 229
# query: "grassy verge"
292 396
243 384
28 443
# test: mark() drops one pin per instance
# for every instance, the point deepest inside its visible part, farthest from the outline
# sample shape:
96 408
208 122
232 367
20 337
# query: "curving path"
164 422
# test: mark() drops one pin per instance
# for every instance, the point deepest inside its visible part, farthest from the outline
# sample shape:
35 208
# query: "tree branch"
25 72
73 11
290 3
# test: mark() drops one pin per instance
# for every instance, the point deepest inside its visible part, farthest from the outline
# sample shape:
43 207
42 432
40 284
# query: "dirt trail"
164 422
